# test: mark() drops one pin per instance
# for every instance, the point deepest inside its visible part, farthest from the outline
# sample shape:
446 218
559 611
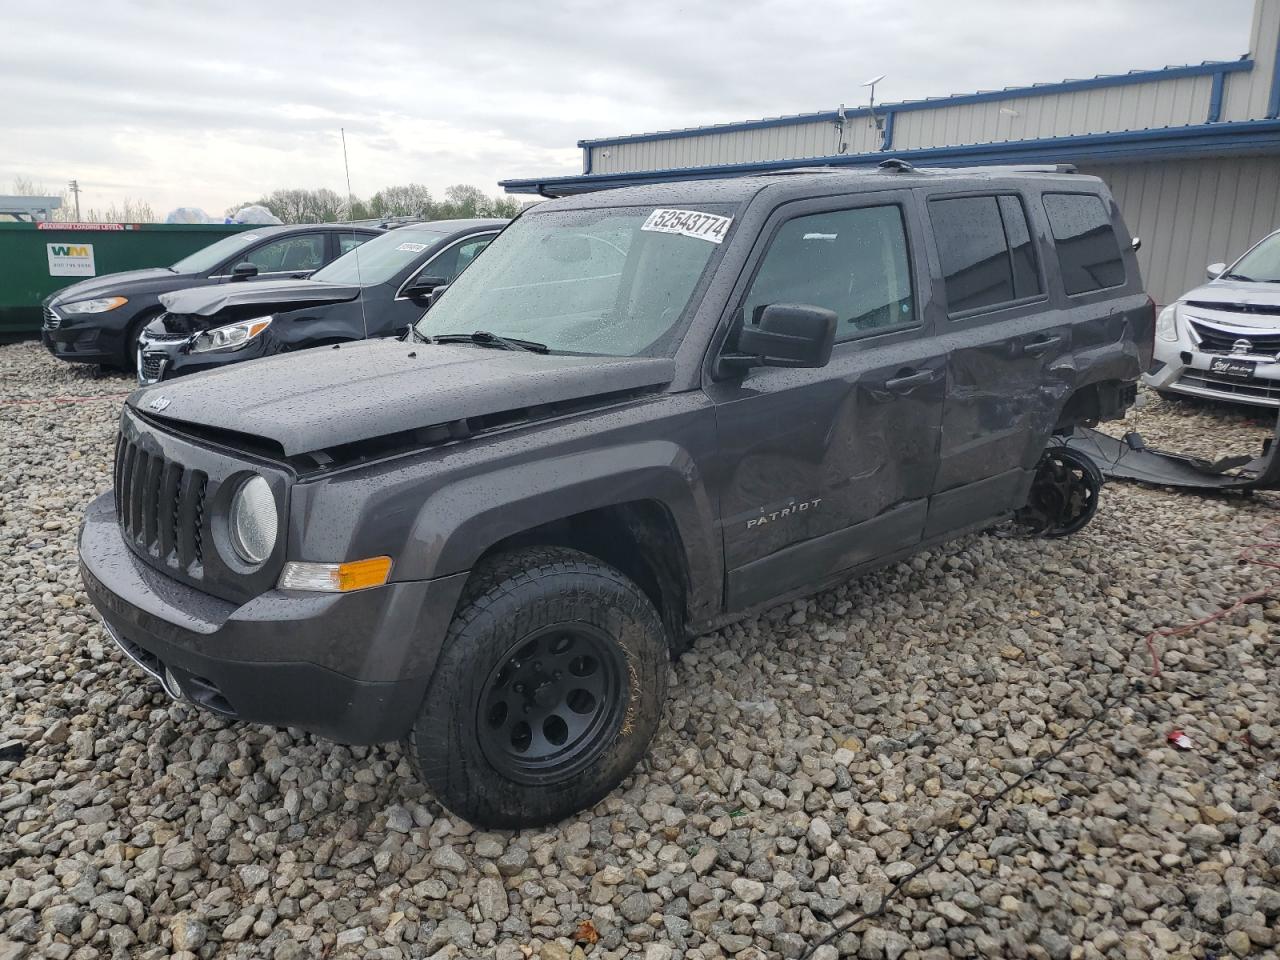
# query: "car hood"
326 397
1236 303
109 285
207 301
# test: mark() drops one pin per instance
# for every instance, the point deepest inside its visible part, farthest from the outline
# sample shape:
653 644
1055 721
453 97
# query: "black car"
642 414
98 320
375 291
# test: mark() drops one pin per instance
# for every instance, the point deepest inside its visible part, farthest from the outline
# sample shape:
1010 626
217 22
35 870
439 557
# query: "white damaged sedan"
1222 340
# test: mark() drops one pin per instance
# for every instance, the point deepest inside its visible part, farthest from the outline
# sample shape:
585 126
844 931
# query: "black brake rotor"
1064 494
554 700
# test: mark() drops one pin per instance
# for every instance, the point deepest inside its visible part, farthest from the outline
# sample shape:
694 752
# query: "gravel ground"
807 760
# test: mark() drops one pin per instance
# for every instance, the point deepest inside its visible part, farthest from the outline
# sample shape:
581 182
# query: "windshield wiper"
486 339
1237 276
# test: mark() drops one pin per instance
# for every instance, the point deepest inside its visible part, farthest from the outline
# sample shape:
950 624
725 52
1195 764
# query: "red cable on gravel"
1268 543
26 403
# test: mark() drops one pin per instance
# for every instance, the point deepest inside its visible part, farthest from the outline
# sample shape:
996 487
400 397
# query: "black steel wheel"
550 702
1064 494
547 690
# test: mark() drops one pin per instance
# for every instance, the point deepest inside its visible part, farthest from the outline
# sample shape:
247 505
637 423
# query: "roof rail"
896 165
1017 168
797 171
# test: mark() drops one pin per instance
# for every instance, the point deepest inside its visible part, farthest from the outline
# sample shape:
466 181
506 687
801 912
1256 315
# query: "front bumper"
80 344
350 667
170 356
1180 367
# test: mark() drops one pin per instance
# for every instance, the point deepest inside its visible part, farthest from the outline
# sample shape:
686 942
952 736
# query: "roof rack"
896 165
1019 168
797 171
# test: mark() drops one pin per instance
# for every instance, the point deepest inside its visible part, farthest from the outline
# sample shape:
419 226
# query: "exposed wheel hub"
552 702
1064 493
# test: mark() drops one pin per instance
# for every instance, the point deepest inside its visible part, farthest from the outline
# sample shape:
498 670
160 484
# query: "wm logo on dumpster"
70 259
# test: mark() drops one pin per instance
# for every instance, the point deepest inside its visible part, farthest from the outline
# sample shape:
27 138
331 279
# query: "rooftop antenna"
871 105
355 252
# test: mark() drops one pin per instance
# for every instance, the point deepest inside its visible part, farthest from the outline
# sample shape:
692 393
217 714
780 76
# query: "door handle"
909 381
1037 347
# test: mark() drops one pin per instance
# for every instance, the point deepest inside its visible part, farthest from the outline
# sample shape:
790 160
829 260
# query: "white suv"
1222 340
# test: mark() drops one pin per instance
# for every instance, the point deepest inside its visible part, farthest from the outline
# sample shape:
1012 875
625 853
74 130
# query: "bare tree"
409 200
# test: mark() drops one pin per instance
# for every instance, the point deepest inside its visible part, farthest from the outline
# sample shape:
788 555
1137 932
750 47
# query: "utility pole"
75 190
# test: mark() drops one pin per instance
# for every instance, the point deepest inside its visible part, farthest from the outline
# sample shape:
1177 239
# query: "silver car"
1222 340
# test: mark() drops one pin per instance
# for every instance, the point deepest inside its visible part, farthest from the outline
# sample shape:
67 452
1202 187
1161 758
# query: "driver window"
854 262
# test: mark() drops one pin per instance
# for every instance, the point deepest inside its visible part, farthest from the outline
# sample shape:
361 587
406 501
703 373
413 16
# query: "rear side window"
1087 246
987 253
853 262
349 241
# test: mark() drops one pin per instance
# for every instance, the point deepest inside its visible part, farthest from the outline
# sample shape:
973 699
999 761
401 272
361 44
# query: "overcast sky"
208 105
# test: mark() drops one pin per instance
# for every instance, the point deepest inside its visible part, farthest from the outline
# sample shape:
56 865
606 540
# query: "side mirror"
421 286
1215 270
787 335
244 271
434 295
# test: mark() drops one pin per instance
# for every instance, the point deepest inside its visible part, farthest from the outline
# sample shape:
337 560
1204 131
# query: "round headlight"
253 521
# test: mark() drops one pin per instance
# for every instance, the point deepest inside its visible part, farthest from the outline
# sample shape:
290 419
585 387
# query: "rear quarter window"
1088 249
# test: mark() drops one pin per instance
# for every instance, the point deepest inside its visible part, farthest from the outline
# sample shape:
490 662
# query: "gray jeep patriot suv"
641 414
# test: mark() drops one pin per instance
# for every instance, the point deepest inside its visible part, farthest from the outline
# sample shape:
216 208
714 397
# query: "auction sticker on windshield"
688 223
412 247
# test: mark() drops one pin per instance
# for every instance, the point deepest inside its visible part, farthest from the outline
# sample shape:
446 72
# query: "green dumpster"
39 258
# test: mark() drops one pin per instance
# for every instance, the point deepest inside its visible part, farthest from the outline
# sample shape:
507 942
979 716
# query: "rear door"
1008 367
821 470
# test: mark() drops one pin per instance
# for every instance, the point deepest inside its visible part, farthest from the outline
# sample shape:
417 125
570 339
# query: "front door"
821 470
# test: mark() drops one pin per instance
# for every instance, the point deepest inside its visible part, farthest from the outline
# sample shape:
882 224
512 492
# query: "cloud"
212 104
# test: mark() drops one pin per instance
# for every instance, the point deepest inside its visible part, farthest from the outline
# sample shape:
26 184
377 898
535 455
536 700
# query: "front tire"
547 692
129 357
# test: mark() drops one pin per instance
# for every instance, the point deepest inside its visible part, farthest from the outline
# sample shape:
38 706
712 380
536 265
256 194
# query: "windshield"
381 258
212 255
616 281
1260 263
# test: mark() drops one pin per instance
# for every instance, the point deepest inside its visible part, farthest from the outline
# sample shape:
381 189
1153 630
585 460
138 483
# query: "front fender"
458 523
438 511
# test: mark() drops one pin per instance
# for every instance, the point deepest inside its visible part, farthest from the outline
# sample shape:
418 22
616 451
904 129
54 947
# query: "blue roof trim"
888 132
1215 100
1273 104
1216 139
1209 68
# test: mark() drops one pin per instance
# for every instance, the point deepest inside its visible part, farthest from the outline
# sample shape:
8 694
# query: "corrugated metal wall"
1167 103
1174 102
771 143
1246 94
1190 213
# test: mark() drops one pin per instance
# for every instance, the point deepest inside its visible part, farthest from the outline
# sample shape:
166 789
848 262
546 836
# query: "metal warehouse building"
1191 153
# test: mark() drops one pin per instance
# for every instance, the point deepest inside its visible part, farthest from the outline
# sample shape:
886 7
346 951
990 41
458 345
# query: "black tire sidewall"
132 334
555 587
